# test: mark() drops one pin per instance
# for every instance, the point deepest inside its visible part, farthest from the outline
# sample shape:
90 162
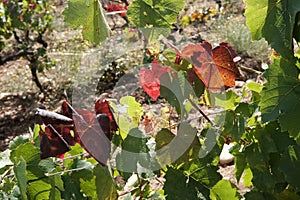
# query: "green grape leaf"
175 90
234 122
227 101
224 189
20 173
89 15
288 194
104 184
39 184
135 152
255 87
168 57
129 113
4 158
248 177
28 152
280 96
88 187
57 186
180 187
35 134
154 13
46 165
37 168
134 109
40 189
72 188
177 149
264 136
282 139
255 195
273 20
240 164
72 181
18 141
262 177
290 164
135 142
264 157
75 150
203 171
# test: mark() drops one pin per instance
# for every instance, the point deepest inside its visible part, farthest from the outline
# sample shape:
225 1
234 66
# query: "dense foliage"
264 129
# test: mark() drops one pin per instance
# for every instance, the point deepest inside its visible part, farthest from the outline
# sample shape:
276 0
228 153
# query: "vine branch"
202 113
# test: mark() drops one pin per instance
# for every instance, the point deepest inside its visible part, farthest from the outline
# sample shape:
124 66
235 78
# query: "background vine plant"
25 23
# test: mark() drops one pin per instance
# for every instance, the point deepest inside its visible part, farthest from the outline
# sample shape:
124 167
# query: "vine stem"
5 173
202 113
250 69
69 170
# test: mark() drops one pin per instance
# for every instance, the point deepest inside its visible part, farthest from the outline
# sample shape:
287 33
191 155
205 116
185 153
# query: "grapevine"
118 150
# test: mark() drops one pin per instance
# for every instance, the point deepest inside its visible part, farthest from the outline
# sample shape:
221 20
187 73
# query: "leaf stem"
202 113
5 173
69 170
73 156
250 69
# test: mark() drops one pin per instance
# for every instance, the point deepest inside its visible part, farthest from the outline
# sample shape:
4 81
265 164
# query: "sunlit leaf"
180 187
176 89
20 172
227 101
4 158
280 96
89 15
28 152
224 189
72 181
154 13
88 186
135 153
18 141
177 149
129 114
274 20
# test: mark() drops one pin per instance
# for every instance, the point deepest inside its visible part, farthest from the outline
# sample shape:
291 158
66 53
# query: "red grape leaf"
102 107
92 137
149 79
115 8
66 111
215 67
86 115
104 123
52 144
49 117
62 124
90 130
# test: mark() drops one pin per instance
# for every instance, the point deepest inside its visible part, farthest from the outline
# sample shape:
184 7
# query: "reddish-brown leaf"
52 144
149 79
215 67
49 117
92 137
115 8
102 107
